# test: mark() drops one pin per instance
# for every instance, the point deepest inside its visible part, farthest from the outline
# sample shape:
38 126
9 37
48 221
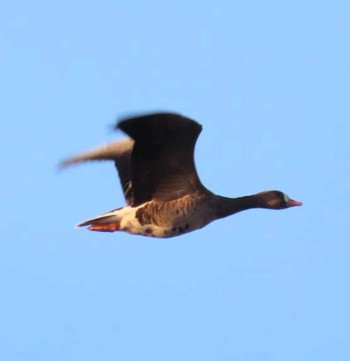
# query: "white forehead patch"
286 198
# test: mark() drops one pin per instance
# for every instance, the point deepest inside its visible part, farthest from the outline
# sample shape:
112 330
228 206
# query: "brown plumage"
164 194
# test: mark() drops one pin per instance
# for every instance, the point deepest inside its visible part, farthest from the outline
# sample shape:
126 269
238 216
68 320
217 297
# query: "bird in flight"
164 195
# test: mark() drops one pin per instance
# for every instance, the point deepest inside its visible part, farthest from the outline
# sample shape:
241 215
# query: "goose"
164 195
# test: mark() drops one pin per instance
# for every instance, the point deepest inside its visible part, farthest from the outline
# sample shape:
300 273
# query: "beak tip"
293 203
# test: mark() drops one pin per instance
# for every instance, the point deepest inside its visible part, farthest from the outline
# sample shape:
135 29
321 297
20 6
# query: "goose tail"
107 222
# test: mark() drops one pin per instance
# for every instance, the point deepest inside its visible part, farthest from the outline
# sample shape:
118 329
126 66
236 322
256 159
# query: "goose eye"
286 198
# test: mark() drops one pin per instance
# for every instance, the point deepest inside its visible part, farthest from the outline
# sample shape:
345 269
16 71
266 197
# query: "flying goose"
163 192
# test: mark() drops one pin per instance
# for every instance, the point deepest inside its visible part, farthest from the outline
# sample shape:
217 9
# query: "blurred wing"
162 160
119 152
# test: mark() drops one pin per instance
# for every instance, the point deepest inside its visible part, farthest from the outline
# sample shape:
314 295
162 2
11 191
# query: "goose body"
164 195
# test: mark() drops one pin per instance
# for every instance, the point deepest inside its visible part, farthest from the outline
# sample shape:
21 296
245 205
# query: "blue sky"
270 82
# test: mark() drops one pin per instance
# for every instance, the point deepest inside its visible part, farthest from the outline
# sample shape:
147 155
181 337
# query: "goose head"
276 200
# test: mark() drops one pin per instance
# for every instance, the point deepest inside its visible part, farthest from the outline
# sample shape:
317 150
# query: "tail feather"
98 220
107 222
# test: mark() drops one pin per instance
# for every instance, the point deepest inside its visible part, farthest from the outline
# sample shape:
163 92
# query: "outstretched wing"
162 159
120 153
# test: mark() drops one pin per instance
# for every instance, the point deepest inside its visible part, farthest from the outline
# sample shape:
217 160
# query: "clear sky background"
270 82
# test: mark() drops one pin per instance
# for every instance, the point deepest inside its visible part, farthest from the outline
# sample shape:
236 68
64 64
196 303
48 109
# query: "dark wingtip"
68 162
138 125
64 163
125 118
